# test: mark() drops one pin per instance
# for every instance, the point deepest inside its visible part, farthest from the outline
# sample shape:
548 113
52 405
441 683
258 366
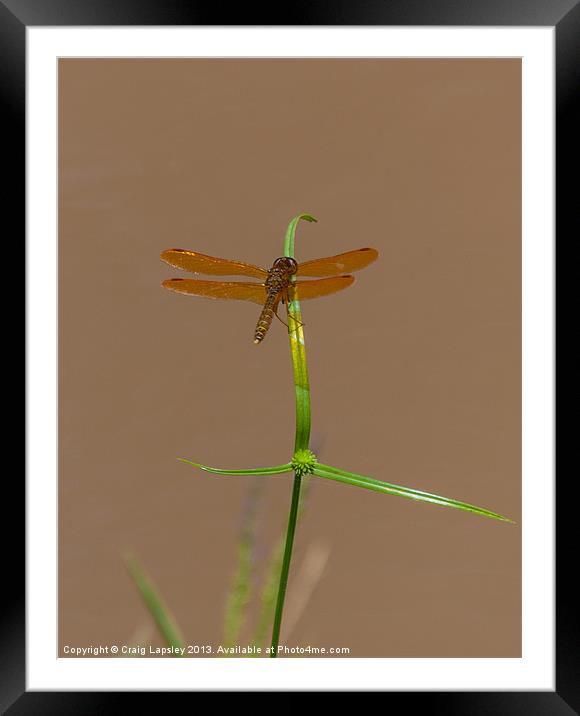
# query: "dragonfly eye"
287 264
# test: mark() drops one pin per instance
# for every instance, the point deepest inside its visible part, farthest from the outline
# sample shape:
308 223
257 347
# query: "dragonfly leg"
278 317
286 300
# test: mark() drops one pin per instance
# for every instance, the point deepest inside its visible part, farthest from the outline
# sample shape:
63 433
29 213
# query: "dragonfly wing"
233 290
304 290
200 263
340 264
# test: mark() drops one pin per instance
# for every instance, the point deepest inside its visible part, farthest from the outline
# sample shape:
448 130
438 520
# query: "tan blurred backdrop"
415 370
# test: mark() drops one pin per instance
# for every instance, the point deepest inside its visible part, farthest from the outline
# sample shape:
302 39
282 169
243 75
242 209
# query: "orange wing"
304 290
237 290
340 264
200 263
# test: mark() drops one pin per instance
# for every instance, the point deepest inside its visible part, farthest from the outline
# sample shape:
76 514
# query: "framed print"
408 159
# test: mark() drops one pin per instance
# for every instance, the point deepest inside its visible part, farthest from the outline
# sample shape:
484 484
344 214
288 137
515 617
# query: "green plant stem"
298 351
291 530
269 591
302 437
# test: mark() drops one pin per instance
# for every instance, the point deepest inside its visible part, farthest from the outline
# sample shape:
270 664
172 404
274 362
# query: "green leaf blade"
275 470
291 233
369 483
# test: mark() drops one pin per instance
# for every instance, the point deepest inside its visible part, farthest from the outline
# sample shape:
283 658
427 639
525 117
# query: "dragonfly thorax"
280 273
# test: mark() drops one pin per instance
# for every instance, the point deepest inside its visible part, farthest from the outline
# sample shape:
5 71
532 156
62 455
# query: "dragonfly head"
286 264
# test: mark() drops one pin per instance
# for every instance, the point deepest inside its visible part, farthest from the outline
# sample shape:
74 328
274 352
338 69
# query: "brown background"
415 370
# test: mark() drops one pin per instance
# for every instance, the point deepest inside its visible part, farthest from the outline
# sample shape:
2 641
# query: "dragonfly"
277 284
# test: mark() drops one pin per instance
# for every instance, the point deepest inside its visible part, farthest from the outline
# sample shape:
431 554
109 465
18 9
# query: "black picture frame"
15 17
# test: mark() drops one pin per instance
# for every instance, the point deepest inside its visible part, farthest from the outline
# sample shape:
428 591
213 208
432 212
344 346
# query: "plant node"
303 462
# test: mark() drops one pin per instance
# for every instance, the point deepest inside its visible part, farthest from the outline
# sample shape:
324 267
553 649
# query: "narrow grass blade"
276 470
369 483
241 587
158 610
268 595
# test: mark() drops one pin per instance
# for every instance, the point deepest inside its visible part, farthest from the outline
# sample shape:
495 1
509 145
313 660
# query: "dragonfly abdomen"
266 317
